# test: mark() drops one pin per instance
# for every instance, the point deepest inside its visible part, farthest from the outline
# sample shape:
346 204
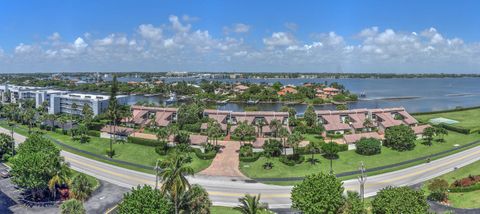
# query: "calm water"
426 94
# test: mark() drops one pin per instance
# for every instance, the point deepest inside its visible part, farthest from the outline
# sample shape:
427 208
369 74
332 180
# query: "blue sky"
274 36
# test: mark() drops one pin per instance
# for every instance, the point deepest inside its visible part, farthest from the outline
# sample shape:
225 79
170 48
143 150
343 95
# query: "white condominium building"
72 103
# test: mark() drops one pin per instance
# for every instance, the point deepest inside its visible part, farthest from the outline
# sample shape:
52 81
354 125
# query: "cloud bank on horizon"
177 44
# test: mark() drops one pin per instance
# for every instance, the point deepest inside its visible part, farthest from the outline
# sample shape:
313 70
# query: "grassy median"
133 153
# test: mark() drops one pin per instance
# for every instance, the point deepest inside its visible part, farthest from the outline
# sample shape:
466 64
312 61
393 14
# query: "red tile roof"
353 138
419 129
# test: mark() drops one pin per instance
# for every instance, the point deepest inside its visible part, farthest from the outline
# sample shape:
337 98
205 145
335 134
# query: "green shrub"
205 156
110 153
471 188
246 150
93 133
192 127
368 146
254 157
162 148
334 135
292 160
143 141
342 147
458 129
96 125
272 148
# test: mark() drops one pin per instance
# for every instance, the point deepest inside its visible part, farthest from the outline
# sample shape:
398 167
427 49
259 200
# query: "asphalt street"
225 191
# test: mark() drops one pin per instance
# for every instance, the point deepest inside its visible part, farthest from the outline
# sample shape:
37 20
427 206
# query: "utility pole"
157 170
362 179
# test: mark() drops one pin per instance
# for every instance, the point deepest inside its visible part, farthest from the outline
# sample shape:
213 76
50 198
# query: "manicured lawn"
133 153
349 160
223 210
467 118
313 137
465 199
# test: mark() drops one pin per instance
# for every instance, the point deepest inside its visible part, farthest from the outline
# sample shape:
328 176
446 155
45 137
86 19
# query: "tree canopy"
400 138
318 193
368 146
35 164
392 200
310 116
145 200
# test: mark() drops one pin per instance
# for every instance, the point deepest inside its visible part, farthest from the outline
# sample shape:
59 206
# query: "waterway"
415 94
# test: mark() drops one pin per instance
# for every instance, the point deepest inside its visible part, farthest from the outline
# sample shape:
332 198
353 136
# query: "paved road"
225 191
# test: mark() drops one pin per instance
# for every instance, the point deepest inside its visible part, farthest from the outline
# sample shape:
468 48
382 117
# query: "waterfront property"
72 103
369 123
143 115
14 93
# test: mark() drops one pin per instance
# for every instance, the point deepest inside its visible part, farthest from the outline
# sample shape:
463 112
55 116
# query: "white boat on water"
171 99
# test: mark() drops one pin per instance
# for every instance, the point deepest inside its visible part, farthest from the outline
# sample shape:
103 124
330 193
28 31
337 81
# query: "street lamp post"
362 179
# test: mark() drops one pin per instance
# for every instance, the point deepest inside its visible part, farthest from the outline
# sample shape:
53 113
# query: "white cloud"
22 48
148 31
241 28
177 25
176 44
79 43
55 36
279 39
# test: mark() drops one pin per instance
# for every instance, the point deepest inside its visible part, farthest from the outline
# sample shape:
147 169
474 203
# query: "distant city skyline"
240 36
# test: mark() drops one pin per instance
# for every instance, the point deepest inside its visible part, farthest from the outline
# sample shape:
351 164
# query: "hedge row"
93 133
446 111
253 158
143 141
205 156
474 187
458 129
292 160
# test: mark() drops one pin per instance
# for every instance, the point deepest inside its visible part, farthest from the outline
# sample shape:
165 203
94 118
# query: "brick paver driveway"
226 162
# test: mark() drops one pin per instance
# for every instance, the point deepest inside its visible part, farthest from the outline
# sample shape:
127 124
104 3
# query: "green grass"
133 153
466 199
223 210
466 118
313 137
349 160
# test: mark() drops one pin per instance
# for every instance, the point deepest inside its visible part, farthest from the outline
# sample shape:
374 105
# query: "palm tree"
28 117
173 177
74 108
60 177
80 187
368 123
440 131
260 123
214 131
62 120
330 152
244 131
294 140
283 133
250 205
52 118
87 113
72 206
162 134
275 126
